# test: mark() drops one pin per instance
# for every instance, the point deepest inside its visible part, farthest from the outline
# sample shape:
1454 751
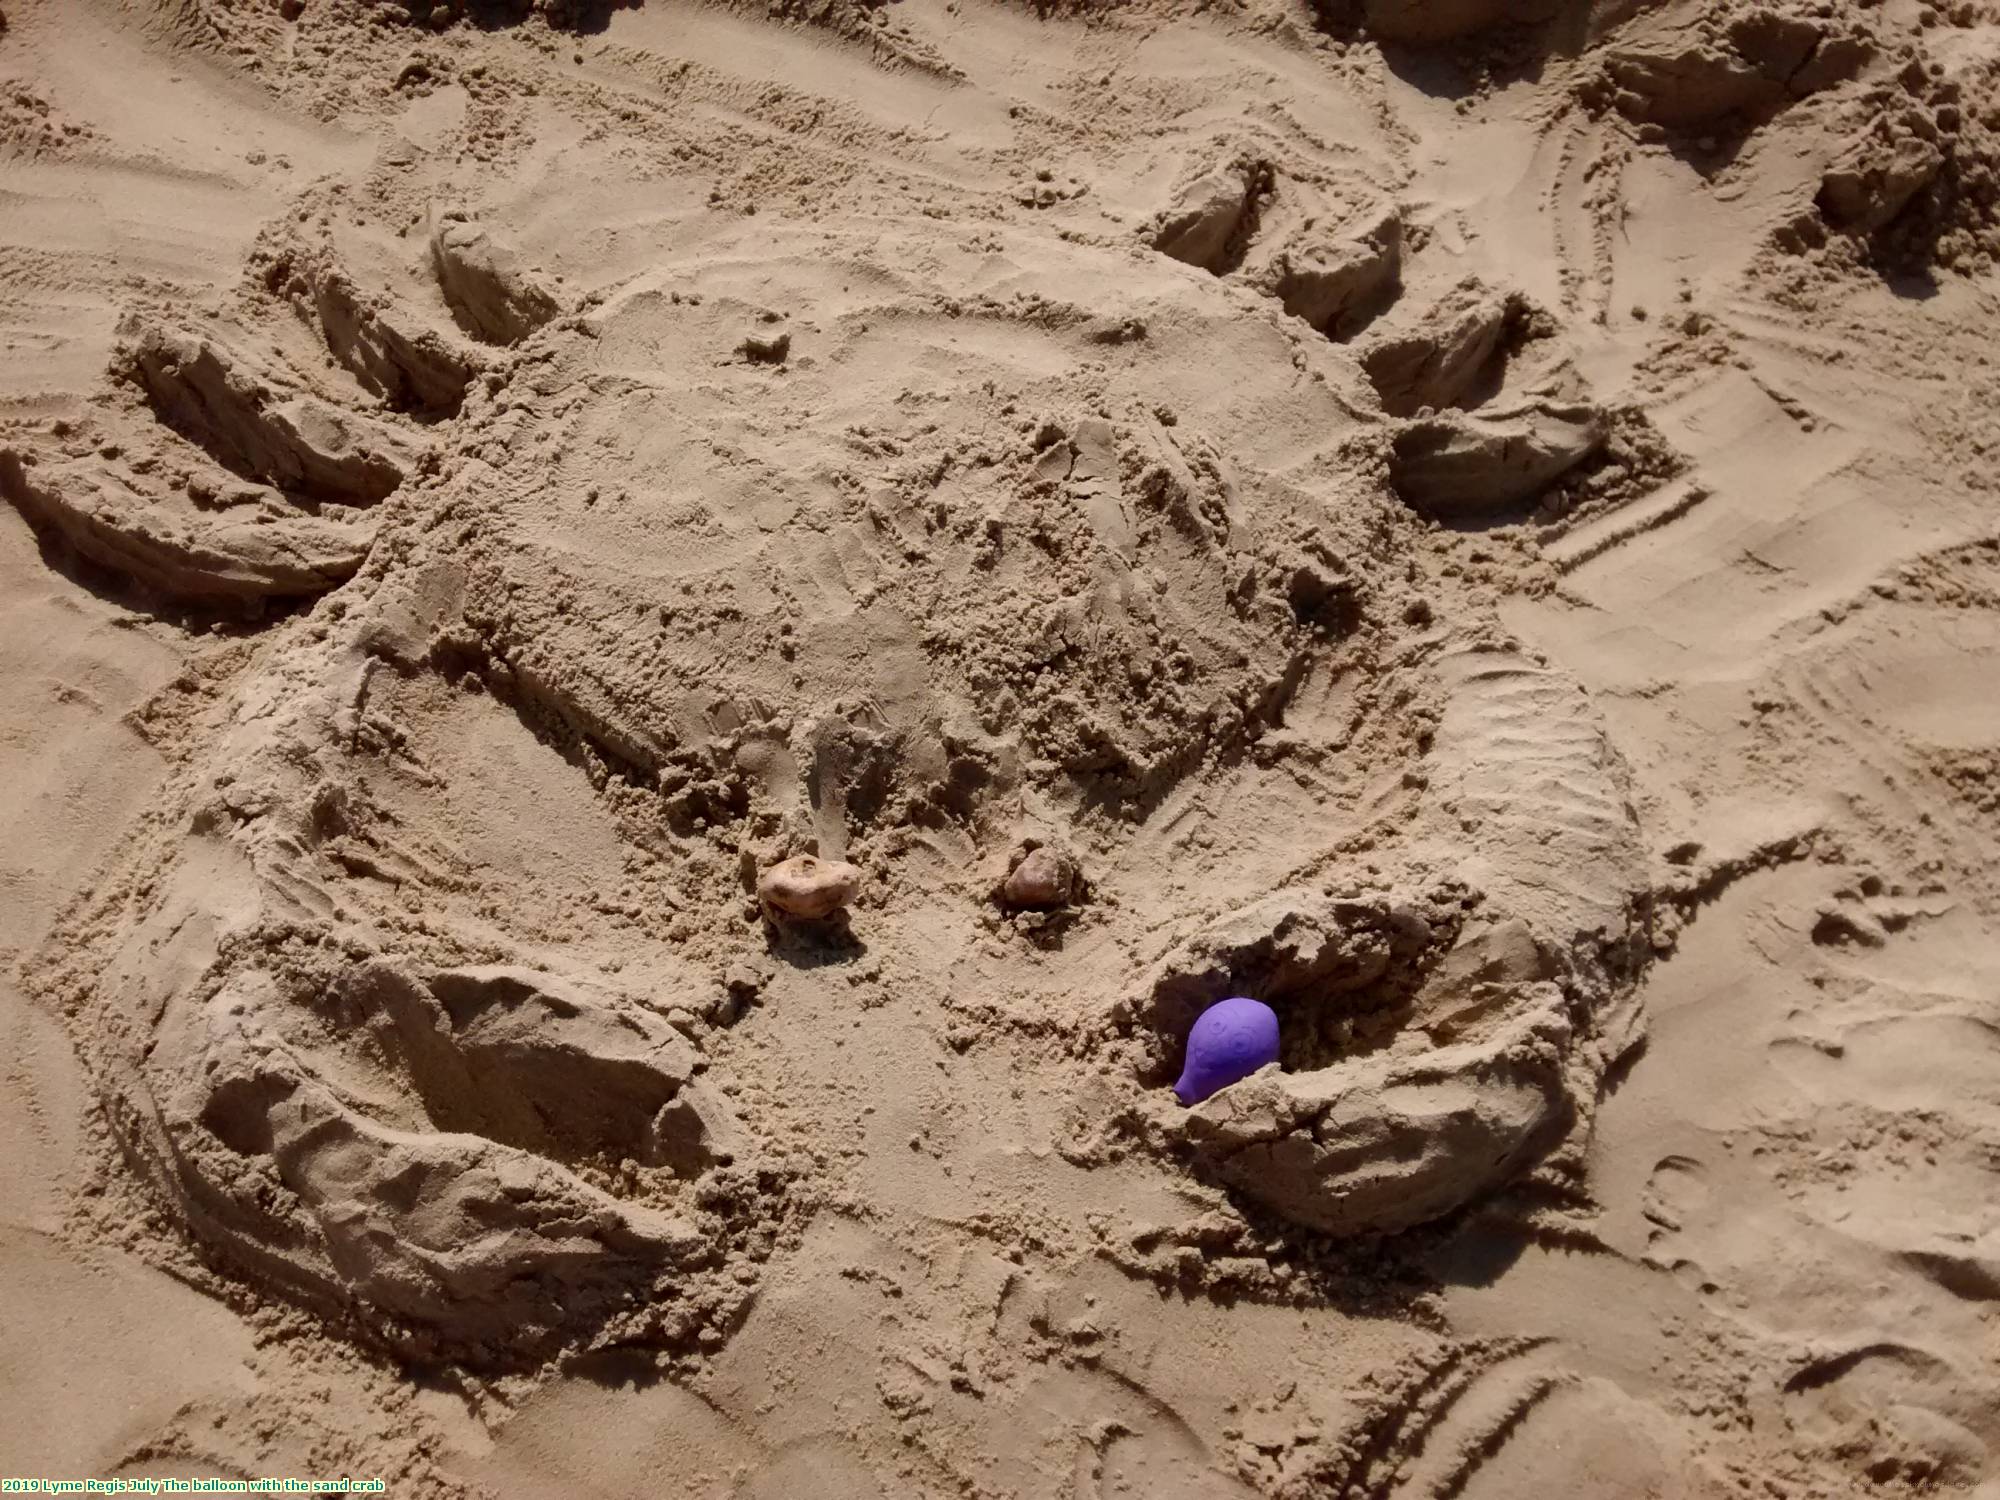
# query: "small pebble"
1045 878
807 887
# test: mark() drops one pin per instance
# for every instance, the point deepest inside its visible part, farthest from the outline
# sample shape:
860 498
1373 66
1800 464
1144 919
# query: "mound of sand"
1452 519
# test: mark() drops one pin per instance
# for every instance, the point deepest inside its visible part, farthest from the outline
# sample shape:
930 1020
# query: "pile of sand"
1467 522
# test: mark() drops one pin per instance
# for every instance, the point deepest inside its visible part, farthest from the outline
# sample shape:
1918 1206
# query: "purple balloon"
1231 1040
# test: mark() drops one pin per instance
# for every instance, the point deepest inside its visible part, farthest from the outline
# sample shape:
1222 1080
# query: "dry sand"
653 655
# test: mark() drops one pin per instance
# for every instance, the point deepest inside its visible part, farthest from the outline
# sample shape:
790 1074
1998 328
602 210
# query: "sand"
655 654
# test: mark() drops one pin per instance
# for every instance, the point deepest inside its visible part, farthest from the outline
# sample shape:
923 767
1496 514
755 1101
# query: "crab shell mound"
407 1001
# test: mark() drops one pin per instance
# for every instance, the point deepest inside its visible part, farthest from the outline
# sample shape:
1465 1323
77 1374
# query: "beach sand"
652 656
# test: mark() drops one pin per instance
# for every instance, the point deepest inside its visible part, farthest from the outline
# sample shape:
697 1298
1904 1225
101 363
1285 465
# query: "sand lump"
239 543
1689 66
393 351
1214 216
259 423
492 294
1462 464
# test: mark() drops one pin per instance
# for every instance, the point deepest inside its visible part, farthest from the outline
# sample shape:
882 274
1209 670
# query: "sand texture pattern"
656 654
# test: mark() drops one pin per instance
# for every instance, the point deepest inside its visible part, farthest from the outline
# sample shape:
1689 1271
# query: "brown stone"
808 887
1045 877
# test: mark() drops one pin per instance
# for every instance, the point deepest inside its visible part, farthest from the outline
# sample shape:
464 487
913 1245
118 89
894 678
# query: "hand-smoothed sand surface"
654 656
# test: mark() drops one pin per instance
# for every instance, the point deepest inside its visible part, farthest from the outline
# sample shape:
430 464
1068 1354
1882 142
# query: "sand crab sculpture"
588 561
